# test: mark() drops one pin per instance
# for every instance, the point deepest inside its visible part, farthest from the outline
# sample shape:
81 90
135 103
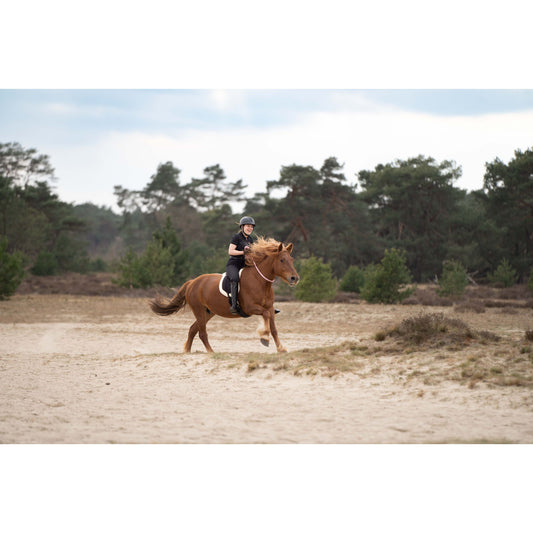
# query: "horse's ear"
289 247
280 247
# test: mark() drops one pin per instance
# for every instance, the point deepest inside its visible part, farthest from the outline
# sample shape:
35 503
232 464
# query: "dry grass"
327 361
428 297
474 298
474 306
429 348
473 356
437 331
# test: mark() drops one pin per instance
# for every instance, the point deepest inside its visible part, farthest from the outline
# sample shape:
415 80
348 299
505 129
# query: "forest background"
182 225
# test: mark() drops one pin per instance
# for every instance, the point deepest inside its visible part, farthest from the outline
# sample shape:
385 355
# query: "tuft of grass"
380 336
514 381
485 336
427 297
470 306
430 327
438 331
219 356
253 365
325 360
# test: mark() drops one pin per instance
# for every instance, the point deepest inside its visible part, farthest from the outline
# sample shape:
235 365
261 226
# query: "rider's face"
248 228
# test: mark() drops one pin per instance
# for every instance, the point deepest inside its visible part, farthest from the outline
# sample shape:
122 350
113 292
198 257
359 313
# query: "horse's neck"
265 267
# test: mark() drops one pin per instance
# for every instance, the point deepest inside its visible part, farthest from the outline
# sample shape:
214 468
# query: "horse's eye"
282 260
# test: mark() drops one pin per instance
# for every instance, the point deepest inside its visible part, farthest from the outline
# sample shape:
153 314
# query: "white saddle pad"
220 284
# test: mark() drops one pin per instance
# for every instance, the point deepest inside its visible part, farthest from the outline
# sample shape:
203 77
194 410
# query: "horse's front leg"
274 332
264 328
269 328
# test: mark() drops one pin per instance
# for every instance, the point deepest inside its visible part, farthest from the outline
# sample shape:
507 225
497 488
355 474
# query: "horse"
266 260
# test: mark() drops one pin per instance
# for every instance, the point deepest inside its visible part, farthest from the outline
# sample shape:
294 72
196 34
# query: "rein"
265 278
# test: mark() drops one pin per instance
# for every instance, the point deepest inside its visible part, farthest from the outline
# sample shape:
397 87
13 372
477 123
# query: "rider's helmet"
246 220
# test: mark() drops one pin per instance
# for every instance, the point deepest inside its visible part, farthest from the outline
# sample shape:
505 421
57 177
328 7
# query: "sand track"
76 369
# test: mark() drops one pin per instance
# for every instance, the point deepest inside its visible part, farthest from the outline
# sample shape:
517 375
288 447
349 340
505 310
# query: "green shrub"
46 264
353 280
203 259
385 283
504 276
11 270
71 254
129 270
154 266
97 265
162 262
453 280
317 283
168 240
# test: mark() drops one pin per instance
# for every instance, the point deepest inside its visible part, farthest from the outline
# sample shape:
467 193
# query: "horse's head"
275 258
284 265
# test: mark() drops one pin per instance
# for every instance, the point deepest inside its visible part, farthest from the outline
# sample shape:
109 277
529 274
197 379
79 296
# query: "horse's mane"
261 248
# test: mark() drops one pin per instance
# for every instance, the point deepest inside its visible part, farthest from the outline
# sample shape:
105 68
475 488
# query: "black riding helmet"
246 220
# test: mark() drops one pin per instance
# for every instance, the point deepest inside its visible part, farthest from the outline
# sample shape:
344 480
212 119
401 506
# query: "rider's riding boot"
234 297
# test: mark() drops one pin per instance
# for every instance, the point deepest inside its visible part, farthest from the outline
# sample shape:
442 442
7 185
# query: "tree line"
411 205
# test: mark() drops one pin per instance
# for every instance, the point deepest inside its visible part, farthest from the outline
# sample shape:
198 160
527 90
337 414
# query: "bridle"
261 274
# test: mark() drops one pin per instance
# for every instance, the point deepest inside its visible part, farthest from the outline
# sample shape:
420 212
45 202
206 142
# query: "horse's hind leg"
202 331
202 317
193 330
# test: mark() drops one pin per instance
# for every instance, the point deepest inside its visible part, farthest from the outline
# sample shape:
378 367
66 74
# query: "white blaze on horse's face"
286 264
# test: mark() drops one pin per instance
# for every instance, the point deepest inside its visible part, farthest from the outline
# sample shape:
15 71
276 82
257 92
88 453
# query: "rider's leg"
233 275
234 297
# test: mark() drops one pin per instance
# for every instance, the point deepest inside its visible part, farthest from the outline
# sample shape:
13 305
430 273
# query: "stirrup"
240 312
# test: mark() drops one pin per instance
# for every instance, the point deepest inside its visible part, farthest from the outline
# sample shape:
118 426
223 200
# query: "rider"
239 245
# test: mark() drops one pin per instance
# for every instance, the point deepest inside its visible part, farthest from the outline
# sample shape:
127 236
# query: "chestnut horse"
266 260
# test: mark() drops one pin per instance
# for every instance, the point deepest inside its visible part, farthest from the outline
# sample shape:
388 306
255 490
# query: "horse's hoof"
264 342
282 350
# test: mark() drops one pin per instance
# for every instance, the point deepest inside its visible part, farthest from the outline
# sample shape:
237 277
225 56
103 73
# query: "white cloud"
224 100
359 139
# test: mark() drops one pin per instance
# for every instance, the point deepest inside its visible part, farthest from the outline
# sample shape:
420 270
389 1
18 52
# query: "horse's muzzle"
293 280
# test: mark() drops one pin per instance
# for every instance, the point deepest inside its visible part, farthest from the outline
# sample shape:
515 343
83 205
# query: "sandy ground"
91 369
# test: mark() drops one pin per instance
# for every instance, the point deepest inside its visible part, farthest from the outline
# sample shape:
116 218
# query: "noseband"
265 278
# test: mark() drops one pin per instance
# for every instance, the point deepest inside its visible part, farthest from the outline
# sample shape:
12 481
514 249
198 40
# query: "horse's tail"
167 306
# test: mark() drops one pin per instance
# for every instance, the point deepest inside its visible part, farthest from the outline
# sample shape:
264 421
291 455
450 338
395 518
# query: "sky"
110 92
100 138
